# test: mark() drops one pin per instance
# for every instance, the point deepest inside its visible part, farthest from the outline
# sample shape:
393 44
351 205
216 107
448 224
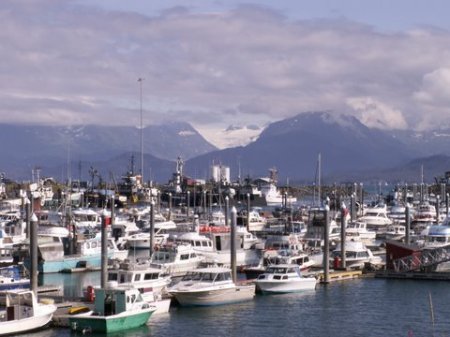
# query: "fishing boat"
356 255
176 260
210 286
150 282
284 278
23 313
115 309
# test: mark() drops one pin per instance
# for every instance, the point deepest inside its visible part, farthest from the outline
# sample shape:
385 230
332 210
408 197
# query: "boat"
115 309
210 286
284 278
215 246
10 279
376 217
256 221
176 260
356 255
24 313
438 236
393 232
52 257
425 214
359 229
301 259
141 240
141 276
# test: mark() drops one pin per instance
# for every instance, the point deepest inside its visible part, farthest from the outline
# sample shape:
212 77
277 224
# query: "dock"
341 275
431 276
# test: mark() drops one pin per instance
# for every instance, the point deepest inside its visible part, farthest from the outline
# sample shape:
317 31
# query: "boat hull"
113 323
215 297
292 286
38 321
67 263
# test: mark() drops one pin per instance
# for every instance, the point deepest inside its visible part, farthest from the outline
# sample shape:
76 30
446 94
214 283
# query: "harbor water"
358 307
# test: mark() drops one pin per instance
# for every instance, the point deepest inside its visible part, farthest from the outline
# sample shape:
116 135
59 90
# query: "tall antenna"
140 80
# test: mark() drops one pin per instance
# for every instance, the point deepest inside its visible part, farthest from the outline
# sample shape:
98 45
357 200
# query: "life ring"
156 248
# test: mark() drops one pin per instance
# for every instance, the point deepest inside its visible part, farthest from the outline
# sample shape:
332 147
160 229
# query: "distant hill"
292 146
349 150
425 143
27 146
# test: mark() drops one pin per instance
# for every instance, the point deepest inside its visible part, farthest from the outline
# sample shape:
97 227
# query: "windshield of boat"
276 270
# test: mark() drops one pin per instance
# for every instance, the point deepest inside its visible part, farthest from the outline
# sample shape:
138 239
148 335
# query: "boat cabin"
281 272
20 304
116 300
211 275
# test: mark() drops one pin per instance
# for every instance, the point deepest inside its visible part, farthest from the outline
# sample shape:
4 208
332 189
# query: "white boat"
161 233
215 247
393 232
140 276
356 255
176 260
273 197
301 259
23 313
438 236
256 221
210 286
359 229
284 278
425 213
376 217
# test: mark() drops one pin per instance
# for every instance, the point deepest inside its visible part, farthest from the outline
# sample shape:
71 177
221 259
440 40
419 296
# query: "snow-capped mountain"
232 136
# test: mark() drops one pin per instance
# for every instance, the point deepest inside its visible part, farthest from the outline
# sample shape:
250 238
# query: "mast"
140 80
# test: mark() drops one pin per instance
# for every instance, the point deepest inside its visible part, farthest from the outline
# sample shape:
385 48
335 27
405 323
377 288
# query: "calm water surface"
361 307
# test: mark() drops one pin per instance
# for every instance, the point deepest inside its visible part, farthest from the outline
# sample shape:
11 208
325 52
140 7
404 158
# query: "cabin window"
184 257
208 277
193 255
137 277
112 277
122 278
198 243
220 277
133 298
204 243
285 277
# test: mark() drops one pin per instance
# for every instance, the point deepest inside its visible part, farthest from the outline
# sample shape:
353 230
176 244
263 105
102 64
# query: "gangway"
425 258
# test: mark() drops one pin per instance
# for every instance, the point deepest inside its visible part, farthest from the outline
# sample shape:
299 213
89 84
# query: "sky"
220 63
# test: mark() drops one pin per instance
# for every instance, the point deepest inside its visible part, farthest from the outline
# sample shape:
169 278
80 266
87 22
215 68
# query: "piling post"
343 234
438 203
152 227
233 243
113 211
227 208
104 259
352 207
361 199
188 204
447 197
248 212
33 254
326 246
170 206
28 216
408 225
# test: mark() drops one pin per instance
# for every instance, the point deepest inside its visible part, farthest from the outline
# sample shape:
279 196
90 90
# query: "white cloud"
376 114
64 63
